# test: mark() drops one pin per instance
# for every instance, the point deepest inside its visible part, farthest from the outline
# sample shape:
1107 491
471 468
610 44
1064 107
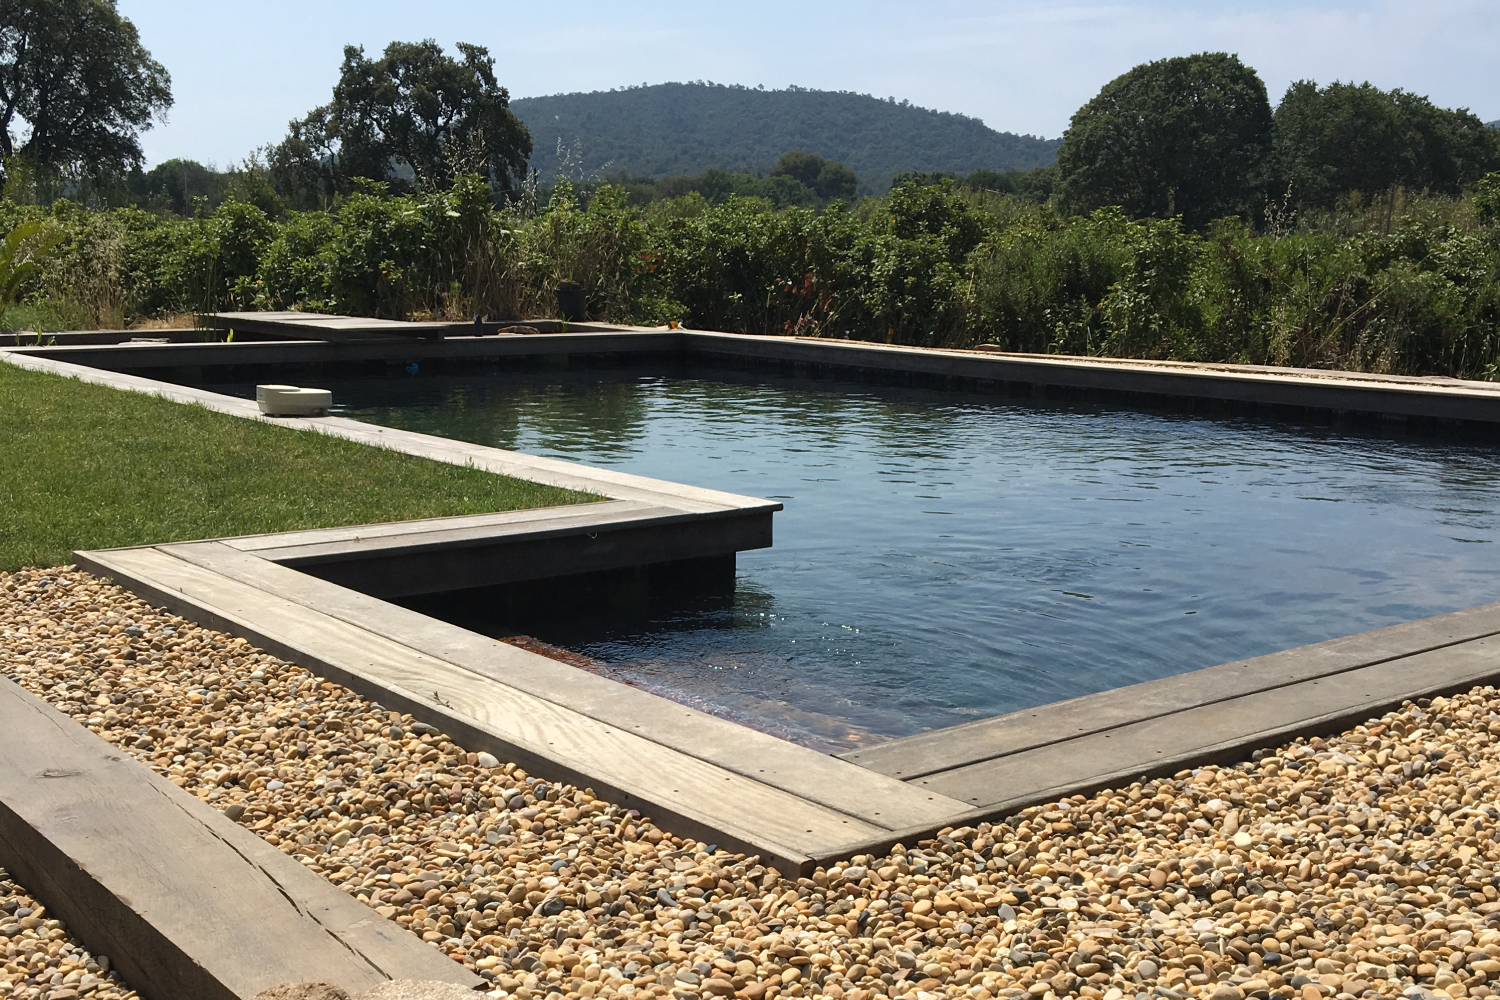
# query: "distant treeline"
682 129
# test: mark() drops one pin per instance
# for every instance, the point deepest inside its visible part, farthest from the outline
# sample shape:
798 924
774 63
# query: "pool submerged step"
766 759
682 786
937 751
1213 715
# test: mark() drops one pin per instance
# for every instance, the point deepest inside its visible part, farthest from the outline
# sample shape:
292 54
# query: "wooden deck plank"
188 904
685 793
945 749
1224 729
324 326
486 524
1320 390
426 536
811 776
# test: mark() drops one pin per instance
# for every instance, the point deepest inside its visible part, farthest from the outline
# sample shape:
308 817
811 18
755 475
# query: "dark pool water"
944 557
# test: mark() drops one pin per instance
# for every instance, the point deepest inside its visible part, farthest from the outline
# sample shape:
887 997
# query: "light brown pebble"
1372 849
36 950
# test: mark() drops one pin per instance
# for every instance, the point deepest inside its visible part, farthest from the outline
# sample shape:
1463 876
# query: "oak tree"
415 118
77 87
1186 136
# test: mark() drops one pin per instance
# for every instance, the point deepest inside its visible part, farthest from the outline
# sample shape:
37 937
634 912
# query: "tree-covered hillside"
686 128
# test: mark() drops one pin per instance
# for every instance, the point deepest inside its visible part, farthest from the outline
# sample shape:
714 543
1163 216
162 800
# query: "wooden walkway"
699 774
696 773
323 326
730 785
996 766
336 329
318 340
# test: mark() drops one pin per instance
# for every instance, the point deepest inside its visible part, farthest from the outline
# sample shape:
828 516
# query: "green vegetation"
1195 137
803 179
21 253
1350 228
1186 137
1406 285
413 119
681 129
84 466
1343 138
76 73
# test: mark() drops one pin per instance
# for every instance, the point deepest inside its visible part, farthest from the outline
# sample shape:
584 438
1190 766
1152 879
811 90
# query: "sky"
241 70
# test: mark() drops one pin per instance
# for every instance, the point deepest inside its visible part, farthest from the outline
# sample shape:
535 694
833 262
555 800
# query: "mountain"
685 128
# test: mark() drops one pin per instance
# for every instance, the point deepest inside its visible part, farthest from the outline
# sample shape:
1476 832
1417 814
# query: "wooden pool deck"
797 808
335 329
323 599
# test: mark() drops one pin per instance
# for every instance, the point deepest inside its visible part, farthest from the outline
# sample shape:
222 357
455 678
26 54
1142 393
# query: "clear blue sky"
241 70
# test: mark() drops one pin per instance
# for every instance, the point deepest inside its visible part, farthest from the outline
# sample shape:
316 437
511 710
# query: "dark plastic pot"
572 303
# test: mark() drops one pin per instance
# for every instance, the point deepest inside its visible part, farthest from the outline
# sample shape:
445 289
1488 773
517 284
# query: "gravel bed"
1359 864
41 960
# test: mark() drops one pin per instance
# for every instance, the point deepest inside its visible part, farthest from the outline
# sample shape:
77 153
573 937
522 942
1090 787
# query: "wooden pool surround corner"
188 904
694 773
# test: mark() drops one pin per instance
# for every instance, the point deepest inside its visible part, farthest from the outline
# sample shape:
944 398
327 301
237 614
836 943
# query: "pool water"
945 557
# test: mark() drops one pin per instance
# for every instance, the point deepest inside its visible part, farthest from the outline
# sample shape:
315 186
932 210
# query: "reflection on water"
945 557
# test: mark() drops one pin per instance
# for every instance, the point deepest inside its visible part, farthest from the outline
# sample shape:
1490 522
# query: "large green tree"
415 118
828 179
1187 136
1343 137
76 86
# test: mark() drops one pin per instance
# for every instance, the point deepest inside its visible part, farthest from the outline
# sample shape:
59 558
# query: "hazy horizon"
239 76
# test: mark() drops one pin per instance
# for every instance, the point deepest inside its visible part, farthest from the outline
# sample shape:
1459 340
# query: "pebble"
40 959
1359 864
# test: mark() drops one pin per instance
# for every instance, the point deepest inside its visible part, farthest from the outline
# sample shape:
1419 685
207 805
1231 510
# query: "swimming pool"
948 556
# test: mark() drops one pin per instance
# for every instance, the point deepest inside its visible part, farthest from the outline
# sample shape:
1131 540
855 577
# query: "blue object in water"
412 368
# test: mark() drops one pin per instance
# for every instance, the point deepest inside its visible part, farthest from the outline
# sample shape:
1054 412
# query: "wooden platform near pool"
322 598
193 905
730 785
999 765
361 329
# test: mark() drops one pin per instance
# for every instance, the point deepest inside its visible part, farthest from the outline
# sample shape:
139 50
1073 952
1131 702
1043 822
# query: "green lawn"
84 467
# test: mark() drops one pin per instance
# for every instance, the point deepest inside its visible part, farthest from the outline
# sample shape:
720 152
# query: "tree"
1187 136
1344 137
173 185
75 73
828 179
414 119
1487 199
